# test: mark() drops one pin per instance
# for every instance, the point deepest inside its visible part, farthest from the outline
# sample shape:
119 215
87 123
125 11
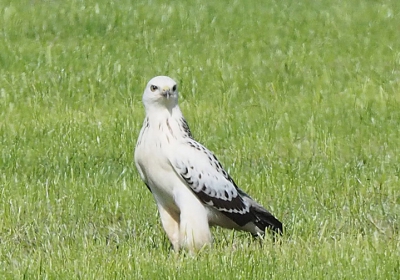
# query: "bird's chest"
152 158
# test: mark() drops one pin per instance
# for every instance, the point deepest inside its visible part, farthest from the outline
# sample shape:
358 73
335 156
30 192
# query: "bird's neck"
170 121
159 113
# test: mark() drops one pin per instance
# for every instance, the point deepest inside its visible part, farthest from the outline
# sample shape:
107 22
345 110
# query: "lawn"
299 101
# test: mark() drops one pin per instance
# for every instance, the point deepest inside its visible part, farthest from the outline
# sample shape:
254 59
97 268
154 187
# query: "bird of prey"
191 188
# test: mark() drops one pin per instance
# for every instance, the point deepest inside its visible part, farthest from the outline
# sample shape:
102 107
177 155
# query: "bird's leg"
194 230
170 223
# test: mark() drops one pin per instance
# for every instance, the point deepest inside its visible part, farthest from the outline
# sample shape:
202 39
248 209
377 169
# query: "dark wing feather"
148 187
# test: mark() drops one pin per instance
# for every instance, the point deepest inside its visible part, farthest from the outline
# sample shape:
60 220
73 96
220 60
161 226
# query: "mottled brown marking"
169 128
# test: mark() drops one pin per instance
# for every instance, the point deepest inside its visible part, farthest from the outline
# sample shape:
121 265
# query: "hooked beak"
166 92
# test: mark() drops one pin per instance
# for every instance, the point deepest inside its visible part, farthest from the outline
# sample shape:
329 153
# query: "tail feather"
265 219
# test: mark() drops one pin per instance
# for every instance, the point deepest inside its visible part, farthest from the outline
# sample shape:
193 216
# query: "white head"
161 91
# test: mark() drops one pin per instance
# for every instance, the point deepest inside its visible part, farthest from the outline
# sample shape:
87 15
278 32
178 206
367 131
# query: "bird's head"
161 91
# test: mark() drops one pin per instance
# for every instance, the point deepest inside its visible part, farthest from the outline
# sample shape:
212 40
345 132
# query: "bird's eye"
153 88
174 88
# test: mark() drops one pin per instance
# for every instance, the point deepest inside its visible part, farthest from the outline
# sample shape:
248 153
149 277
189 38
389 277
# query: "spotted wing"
205 176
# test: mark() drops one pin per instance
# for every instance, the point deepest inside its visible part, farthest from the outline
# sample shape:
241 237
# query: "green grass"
300 101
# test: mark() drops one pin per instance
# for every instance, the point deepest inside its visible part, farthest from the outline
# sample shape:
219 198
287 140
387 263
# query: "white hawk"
191 188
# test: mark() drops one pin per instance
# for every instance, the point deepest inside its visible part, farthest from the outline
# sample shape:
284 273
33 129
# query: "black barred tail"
264 219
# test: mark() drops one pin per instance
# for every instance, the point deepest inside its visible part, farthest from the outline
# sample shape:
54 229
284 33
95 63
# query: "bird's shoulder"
198 156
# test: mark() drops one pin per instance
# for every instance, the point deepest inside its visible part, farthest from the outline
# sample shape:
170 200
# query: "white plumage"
191 188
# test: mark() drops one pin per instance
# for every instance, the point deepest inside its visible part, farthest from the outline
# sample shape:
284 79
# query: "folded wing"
205 176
